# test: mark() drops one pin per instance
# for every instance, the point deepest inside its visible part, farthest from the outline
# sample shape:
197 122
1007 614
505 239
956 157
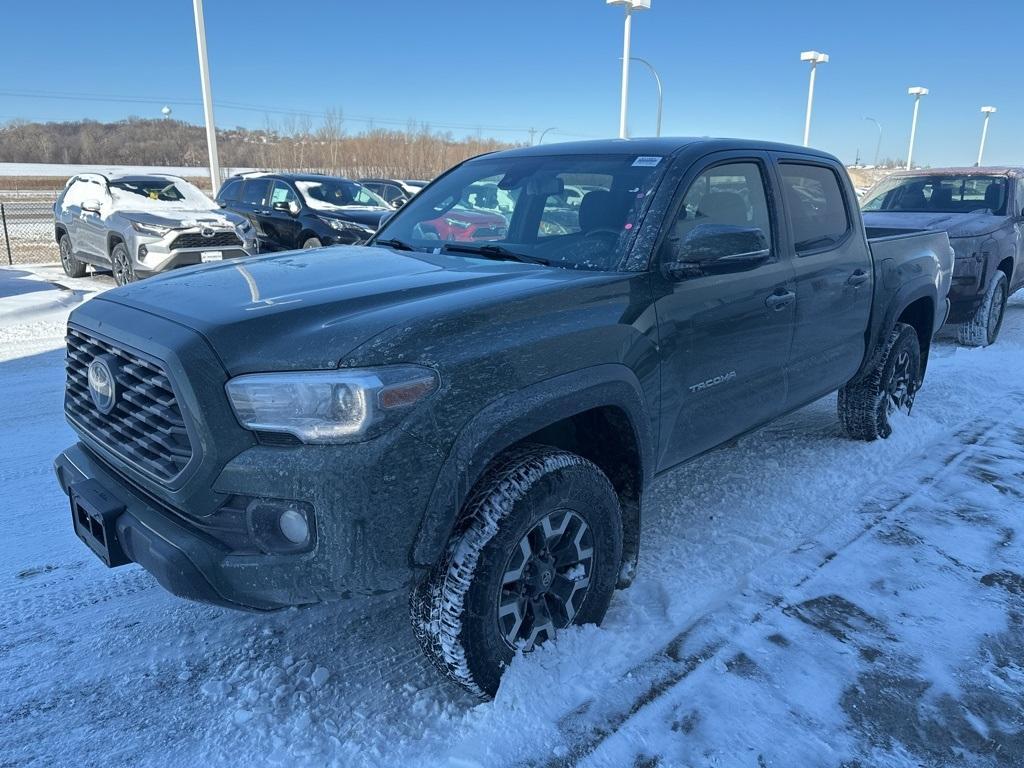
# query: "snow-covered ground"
802 600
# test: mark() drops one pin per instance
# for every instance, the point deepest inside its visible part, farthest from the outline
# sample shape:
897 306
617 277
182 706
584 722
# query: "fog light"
294 526
143 252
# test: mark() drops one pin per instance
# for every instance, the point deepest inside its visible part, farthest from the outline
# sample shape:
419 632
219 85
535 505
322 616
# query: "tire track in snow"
595 721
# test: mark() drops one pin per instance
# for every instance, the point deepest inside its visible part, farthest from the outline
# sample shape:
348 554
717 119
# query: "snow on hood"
954 224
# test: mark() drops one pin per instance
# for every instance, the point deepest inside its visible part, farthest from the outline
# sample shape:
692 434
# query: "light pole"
816 58
630 6
545 133
661 93
204 76
878 146
917 92
984 132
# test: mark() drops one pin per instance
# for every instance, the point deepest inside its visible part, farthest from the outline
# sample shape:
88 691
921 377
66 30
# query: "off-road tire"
866 404
983 329
72 267
121 265
455 609
312 242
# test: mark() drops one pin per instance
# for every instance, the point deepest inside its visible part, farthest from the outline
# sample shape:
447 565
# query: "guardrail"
26 229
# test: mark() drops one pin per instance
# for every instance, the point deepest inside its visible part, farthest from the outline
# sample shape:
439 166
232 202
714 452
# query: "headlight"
346 226
340 406
156 230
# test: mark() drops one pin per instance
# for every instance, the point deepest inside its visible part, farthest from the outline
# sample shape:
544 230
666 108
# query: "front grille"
196 240
145 427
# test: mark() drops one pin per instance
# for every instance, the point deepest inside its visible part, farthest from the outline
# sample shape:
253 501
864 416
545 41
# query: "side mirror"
290 207
92 206
715 249
398 202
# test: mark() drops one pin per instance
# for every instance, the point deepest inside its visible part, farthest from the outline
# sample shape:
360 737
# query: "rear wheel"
312 242
72 266
983 329
121 265
538 550
865 407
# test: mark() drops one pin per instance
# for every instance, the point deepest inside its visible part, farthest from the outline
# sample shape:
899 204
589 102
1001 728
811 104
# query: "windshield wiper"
495 252
398 245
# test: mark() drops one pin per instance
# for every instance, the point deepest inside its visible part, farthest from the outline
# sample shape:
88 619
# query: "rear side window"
816 206
256 191
230 191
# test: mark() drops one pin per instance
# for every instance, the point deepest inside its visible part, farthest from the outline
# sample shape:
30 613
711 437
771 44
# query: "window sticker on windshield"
646 161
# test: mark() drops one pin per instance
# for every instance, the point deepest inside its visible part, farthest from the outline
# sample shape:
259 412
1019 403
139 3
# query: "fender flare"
506 421
920 288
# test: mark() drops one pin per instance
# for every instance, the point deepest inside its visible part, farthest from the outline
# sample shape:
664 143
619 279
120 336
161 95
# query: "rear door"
725 307
833 277
254 204
282 226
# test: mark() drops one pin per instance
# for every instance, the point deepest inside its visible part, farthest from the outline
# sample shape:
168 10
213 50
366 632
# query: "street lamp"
545 133
878 146
204 77
917 92
816 58
630 6
984 132
661 94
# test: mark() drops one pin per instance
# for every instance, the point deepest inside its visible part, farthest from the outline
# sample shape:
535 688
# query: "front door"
725 310
281 225
834 279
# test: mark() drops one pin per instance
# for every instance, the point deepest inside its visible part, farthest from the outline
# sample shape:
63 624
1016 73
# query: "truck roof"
966 170
657 146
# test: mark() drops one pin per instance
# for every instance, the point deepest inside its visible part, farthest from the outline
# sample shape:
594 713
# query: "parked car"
982 211
395 191
137 226
479 421
291 211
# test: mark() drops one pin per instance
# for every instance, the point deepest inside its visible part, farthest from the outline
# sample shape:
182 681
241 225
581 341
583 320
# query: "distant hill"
414 153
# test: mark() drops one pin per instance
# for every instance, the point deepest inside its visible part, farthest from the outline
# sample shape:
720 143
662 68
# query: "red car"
465 225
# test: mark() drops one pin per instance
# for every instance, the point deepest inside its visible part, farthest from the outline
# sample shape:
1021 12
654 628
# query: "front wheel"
121 265
865 406
538 550
312 242
983 329
72 267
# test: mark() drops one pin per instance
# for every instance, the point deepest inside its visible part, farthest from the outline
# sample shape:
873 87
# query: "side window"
230 191
723 224
282 193
256 192
816 206
364 196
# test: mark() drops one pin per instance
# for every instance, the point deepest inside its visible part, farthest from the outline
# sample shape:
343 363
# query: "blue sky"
501 67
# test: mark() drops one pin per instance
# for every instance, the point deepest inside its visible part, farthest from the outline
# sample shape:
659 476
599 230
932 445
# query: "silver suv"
137 226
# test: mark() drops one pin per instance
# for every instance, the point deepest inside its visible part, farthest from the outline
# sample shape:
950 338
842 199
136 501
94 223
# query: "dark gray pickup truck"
476 419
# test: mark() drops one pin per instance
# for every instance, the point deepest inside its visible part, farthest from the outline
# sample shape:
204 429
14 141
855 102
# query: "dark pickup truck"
982 211
477 421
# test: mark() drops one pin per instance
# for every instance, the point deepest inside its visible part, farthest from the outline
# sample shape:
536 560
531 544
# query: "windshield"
330 194
574 211
157 192
940 194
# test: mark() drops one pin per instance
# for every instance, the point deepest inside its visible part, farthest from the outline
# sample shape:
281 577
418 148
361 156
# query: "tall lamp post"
984 132
204 76
816 58
630 6
917 92
878 146
544 133
661 92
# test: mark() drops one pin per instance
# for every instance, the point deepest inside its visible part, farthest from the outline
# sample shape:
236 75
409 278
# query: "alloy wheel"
546 579
65 254
900 391
995 313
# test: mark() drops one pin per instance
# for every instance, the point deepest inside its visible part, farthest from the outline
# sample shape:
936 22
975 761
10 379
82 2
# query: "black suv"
304 211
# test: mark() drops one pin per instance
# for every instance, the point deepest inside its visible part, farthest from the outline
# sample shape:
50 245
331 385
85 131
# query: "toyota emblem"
207 232
103 384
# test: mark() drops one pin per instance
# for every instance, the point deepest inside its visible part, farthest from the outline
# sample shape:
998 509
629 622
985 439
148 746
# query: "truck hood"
305 310
954 224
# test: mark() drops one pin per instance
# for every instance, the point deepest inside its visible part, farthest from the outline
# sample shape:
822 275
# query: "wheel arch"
113 238
59 230
915 301
599 413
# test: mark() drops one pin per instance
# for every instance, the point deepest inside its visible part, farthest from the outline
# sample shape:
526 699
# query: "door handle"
857 278
779 301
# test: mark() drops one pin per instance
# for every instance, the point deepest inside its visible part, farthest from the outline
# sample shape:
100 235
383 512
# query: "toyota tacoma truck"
477 422
982 211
